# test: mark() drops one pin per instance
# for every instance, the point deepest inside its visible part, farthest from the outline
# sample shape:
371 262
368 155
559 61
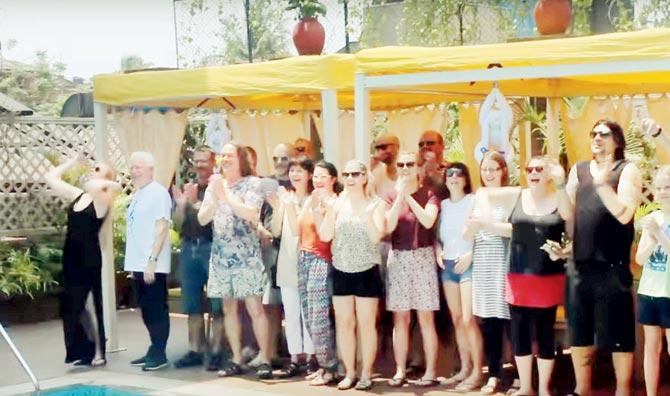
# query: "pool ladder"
20 358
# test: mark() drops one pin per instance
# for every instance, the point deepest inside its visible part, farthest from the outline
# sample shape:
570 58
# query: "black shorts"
653 311
600 308
359 284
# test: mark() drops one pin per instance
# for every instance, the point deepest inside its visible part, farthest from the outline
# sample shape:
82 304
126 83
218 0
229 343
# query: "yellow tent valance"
590 53
291 83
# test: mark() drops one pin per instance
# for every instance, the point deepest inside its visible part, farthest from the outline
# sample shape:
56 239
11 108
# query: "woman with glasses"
456 275
285 205
87 221
604 193
411 281
489 268
314 271
355 223
536 277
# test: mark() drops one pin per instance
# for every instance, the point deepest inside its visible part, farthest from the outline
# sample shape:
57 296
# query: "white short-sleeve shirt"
148 204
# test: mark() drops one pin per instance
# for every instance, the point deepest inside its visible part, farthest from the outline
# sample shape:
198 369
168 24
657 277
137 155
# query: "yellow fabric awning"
289 84
646 45
296 83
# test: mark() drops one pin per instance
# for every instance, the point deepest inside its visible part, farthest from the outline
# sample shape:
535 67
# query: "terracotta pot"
309 36
553 16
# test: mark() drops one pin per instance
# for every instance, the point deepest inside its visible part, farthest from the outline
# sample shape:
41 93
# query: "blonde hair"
367 187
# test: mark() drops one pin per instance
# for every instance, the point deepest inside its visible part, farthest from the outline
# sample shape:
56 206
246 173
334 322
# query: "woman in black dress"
81 299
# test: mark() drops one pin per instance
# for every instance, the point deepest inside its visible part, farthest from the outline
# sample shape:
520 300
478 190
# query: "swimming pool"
89 390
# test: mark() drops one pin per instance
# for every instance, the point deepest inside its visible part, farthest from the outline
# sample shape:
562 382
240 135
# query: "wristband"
153 259
657 133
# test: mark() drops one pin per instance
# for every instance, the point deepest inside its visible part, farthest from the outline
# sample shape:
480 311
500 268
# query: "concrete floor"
42 346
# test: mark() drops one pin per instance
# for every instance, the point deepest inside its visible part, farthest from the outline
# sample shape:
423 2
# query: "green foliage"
119 229
134 62
20 272
307 8
40 86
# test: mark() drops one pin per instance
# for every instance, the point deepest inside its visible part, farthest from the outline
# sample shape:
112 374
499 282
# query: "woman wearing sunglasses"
87 221
411 280
536 277
285 204
489 268
456 276
355 223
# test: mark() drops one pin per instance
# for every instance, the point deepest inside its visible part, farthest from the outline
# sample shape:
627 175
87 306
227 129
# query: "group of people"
395 237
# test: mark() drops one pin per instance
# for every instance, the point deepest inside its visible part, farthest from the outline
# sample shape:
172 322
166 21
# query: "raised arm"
60 188
426 215
623 202
208 207
393 214
376 219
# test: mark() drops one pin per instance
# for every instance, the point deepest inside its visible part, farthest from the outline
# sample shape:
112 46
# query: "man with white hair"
148 255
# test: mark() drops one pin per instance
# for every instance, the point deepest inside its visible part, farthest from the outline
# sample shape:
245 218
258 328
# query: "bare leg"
196 332
401 321
653 343
345 323
217 334
453 294
259 322
544 368
366 318
473 334
524 365
273 313
623 368
582 360
231 324
430 343
90 320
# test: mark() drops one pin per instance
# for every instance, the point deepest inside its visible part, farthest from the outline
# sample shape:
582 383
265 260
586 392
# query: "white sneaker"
256 361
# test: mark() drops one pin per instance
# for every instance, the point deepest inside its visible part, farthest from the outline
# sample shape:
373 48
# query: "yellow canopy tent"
609 64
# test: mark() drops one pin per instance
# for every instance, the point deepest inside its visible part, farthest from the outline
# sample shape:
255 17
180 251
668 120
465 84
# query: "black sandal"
264 371
230 369
291 371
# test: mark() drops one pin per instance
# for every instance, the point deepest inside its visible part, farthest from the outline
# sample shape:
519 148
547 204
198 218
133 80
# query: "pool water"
88 390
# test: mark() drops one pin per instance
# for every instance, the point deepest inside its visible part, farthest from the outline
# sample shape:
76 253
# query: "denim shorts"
194 271
448 274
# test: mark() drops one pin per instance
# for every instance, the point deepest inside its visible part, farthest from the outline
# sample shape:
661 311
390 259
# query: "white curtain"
264 131
408 125
346 138
161 134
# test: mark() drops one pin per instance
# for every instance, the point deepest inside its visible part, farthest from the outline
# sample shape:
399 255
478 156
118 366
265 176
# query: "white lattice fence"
25 146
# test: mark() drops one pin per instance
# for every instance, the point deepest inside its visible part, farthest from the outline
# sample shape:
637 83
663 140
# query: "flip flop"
397 382
426 382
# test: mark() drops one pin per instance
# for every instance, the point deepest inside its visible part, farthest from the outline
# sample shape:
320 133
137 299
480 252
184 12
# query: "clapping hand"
558 250
650 225
219 185
178 196
556 171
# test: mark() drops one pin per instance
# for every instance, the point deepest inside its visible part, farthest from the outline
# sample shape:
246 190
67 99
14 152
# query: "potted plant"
553 16
308 34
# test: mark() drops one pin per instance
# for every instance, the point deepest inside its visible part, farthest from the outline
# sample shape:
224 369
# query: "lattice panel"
25 146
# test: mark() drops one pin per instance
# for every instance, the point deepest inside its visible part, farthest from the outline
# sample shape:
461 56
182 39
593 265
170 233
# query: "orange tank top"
309 239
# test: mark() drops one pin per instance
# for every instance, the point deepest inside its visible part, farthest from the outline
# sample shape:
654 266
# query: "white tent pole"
329 113
362 112
108 270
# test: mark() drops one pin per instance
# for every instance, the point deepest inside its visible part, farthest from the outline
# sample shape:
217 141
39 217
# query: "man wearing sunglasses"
383 165
604 194
196 247
431 161
270 245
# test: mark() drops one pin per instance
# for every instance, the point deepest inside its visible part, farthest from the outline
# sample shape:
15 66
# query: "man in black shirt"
604 193
196 244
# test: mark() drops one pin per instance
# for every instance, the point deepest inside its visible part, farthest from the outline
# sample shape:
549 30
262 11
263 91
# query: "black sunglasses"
280 159
536 169
454 172
383 146
352 174
602 134
427 143
405 164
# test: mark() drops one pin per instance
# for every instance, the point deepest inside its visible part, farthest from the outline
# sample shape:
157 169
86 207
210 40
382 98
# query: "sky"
89 36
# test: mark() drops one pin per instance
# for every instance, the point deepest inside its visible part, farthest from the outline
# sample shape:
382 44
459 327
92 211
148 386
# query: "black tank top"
528 234
599 236
82 246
